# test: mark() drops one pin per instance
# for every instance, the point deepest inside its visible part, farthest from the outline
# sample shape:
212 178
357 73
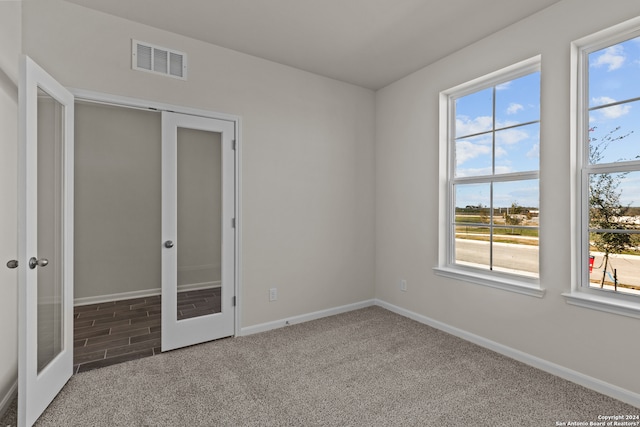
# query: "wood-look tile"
105 305
147 319
90 333
79 324
126 328
113 360
93 315
114 337
89 357
81 308
101 346
146 337
132 314
189 314
110 323
132 348
203 303
114 332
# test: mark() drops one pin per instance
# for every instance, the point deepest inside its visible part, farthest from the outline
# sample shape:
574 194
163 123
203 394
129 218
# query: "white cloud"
467 126
613 57
514 108
467 150
510 136
473 172
503 169
612 112
534 153
503 86
616 111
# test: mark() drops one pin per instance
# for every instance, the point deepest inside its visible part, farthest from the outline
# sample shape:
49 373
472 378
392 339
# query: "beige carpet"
369 367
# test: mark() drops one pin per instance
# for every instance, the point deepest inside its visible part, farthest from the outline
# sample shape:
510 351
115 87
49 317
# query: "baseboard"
140 294
8 398
595 384
263 327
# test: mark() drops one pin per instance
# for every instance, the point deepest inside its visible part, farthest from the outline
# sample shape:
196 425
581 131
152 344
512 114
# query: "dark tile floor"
118 331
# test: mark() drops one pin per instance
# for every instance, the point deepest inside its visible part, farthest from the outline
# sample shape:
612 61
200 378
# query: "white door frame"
122 101
36 389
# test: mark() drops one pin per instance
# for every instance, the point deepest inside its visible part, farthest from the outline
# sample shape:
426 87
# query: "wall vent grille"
159 60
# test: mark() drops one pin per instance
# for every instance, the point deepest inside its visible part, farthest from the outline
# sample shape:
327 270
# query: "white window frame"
581 293
446 257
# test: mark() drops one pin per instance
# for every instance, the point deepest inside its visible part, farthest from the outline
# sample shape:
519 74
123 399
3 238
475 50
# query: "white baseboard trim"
8 398
595 384
198 286
263 327
141 294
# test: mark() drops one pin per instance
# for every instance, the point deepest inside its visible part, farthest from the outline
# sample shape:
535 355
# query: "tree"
605 209
514 217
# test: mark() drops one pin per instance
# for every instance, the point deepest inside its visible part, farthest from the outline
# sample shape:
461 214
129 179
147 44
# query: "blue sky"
517 149
614 76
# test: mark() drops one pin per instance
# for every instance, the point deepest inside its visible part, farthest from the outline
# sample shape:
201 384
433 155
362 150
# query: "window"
610 165
492 179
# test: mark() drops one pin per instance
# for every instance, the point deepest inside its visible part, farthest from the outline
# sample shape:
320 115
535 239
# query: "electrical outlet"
403 285
273 294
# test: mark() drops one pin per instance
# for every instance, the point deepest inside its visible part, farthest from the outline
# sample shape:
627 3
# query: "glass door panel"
199 252
50 226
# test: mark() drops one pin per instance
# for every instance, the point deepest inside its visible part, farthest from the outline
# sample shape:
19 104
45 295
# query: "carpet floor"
368 367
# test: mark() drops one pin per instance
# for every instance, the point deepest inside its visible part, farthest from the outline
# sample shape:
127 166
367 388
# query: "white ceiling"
370 43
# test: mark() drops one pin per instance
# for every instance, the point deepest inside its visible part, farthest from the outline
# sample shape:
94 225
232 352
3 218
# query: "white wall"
10 46
307 155
597 344
117 219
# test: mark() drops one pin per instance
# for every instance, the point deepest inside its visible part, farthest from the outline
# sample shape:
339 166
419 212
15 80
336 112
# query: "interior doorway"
124 257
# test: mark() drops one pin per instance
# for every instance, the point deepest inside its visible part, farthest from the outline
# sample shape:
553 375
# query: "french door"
198 229
45 242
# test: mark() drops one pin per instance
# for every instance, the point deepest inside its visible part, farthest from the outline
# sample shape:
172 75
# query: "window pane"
614 204
614 133
474 113
473 156
518 149
472 202
472 246
517 202
518 101
613 73
620 272
515 250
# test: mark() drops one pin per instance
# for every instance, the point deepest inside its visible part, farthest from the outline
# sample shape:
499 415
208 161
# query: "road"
505 255
524 258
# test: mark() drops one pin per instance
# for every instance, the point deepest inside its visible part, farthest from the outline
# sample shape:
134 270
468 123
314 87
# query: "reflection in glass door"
199 214
50 226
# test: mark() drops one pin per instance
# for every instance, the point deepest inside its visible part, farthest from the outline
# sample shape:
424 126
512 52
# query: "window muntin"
611 167
494 185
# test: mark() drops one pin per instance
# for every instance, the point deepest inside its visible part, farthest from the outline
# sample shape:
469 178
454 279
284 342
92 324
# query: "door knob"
34 262
168 244
12 263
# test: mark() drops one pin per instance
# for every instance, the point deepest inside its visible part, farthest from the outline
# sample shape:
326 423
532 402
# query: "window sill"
504 283
602 303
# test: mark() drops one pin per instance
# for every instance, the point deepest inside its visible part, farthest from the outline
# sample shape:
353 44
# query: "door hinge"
233 144
233 223
233 301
